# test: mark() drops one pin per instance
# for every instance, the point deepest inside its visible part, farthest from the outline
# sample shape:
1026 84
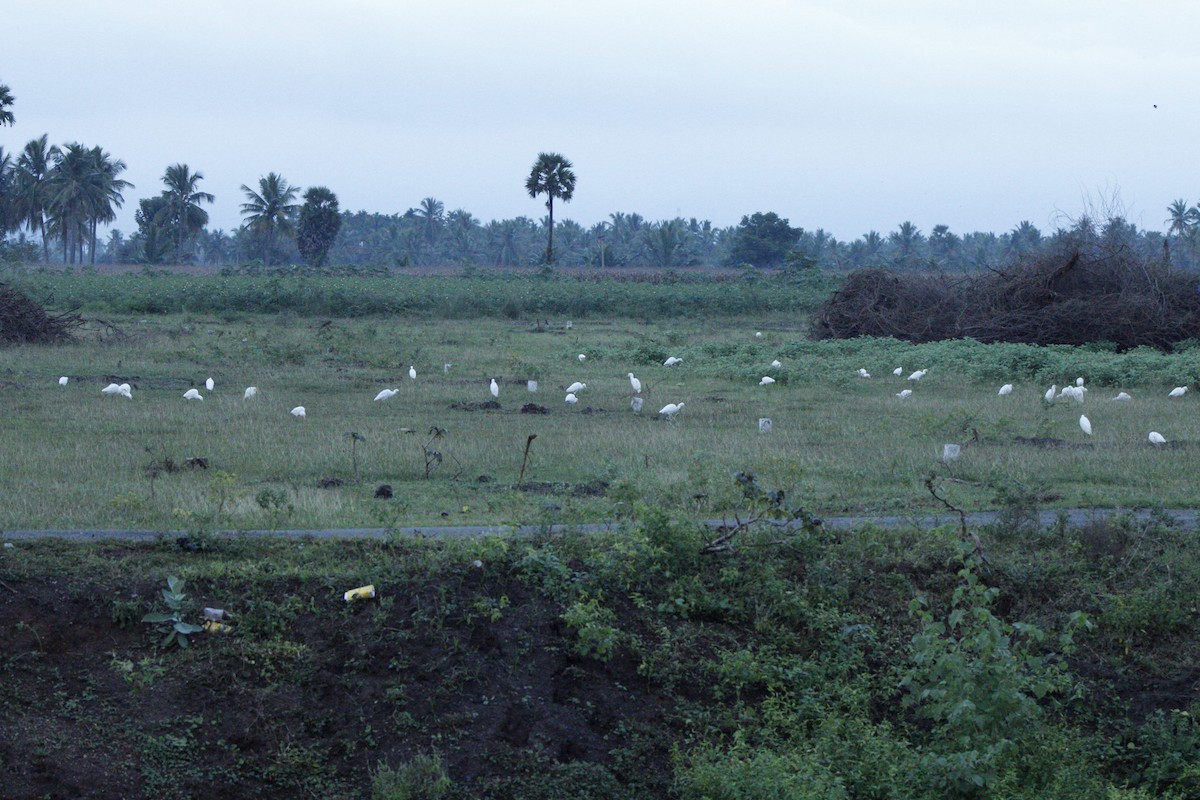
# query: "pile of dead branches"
22 321
1070 295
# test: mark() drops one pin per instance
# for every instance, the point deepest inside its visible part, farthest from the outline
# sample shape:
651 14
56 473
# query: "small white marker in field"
951 451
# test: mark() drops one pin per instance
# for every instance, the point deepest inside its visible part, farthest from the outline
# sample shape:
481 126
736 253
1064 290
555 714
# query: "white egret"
636 405
758 334
412 372
582 358
532 386
1085 425
862 373
494 388
671 361
112 388
576 387
1157 438
250 392
62 381
386 393
670 410
446 368
904 394
192 394
916 376
124 391
1049 396
570 324
1123 396
767 380
898 371
1079 381
1005 389
777 363
571 398
208 384
1178 391
635 383
299 411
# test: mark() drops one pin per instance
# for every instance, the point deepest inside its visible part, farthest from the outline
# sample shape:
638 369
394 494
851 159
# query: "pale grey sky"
844 115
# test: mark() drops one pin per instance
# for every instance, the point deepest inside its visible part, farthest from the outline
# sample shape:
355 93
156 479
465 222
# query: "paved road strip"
1186 518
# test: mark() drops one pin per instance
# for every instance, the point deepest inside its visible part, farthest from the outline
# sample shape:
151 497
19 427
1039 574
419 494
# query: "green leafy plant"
177 631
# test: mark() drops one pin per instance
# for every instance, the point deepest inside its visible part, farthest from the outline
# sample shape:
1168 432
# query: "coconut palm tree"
104 193
270 211
34 166
6 101
1181 217
553 176
183 211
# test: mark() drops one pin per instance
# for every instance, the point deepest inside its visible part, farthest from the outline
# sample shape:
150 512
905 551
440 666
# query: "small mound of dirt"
384 492
534 408
330 483
1050 443
489 405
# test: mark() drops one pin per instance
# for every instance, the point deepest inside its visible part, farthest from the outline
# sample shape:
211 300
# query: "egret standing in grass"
125 391
670 410
1050 393
576 387
898 371
671 361
112 388
1005 389
1085 425
412 372
862 373
299 411
777 363
1157 438
571 398
250 392
635 383
208 384
904 394
494 388
192 394
1178 391
582 358
767 380
386 393
1122 396
62 381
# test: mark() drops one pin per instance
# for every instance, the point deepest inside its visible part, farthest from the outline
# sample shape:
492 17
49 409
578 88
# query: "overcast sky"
847 115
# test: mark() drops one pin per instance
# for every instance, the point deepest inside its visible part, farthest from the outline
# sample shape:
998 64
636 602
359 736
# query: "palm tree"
33 187
270 210
6 100
9 218
104 193
183 209
69 183
1181 217
553 176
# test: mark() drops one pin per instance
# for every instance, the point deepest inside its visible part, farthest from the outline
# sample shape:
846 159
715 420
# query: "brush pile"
1071 294
22 321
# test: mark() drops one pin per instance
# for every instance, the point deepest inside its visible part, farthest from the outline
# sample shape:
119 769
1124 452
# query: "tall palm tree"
33 187
553 176
9 217
104 193
69 182
183 209
6 101
271 210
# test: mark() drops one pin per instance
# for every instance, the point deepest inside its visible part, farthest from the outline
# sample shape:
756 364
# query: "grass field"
73 457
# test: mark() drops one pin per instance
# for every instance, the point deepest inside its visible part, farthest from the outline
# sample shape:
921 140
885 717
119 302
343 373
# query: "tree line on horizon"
61 195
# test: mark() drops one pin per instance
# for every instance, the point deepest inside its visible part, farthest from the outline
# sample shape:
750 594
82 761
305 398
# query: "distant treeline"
427 237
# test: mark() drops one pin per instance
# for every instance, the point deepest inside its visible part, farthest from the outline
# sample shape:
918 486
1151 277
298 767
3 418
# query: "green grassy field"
73 457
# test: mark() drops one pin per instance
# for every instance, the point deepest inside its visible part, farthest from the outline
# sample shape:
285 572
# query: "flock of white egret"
1077 392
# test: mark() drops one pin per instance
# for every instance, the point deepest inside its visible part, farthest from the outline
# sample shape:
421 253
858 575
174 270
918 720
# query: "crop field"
839 443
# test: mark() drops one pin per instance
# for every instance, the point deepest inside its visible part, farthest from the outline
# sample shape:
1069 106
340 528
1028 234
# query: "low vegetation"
794 663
